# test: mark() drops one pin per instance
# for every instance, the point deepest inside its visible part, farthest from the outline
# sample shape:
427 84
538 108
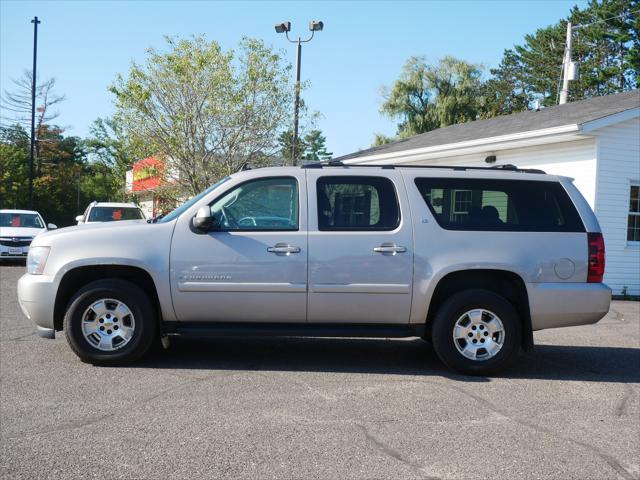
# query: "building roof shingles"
558 115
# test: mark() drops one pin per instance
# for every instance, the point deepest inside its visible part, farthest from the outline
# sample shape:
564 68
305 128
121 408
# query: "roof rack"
506 168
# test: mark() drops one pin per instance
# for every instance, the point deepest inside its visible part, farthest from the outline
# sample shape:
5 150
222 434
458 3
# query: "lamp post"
32 145
285 27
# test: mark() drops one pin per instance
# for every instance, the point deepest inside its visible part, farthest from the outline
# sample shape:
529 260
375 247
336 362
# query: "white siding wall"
575 159
618 166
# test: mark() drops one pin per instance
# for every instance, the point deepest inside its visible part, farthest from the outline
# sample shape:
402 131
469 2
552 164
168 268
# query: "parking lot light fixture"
285 27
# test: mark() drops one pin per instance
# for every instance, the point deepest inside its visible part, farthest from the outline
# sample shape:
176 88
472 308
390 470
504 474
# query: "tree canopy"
606 46
205 110
426 96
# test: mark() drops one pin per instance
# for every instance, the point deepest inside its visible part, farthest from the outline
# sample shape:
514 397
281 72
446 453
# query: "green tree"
505 92
111 153
605 46
14 171
285 146
206 111
311 145
426 97
381 139
315 147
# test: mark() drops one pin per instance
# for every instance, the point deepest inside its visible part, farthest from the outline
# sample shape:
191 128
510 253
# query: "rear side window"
502 205
357 204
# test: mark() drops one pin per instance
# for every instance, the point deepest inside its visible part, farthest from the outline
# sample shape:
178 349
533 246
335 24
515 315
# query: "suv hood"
78 230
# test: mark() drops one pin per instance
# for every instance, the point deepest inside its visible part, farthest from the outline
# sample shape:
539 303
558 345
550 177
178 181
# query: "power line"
606 19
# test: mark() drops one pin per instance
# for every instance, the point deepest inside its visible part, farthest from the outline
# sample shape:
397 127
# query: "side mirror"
52 226
79 218
204 221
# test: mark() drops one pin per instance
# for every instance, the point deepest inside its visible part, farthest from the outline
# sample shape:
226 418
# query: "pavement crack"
393 453
324 396
19 338
609 459
93 420
619 315
623 403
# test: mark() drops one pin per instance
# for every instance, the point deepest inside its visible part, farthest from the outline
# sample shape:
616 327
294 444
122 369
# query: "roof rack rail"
323 163
507 168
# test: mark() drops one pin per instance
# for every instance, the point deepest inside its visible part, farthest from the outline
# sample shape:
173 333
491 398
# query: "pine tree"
315 148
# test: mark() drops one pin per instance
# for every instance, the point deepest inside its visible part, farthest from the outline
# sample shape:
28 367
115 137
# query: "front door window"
267 204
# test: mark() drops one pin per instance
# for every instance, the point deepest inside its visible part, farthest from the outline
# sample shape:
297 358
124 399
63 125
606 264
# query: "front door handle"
391 248
283 249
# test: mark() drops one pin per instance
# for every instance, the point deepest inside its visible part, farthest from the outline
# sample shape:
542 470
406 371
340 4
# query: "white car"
17 229
98 212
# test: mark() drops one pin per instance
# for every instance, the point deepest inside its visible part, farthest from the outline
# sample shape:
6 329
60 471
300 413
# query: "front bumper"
567 304
8 253
36 296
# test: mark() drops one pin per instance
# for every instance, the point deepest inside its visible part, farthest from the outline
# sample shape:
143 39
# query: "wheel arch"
506 283
75 278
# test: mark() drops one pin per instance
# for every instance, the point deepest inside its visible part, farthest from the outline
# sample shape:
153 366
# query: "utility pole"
294 144
566 68
35 22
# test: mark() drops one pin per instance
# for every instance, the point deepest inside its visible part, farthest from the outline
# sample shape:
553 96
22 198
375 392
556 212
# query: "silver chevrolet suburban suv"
471 259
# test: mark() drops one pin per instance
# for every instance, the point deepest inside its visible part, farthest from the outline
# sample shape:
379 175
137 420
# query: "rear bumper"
567 304
36 296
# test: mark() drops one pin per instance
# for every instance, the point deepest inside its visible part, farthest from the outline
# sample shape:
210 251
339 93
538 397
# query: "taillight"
596 257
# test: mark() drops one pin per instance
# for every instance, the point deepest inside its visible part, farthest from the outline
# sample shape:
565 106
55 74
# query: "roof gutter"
501 142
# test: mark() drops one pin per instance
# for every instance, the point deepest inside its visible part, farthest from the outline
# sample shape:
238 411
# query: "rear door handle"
283 249
391 248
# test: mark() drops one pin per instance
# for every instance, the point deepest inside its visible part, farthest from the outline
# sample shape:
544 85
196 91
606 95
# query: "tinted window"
357 203
516 205
265 204
113 214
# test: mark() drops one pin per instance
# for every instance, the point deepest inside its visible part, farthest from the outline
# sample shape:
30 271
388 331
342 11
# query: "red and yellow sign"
147 174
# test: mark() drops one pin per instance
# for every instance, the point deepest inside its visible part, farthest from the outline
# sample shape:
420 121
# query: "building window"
461 203
633 222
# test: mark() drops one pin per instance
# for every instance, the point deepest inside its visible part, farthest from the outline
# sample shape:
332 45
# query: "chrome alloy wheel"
478 334
108 324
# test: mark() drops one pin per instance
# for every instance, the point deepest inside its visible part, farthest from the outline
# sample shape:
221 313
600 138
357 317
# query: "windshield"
25 220
186 205
113 214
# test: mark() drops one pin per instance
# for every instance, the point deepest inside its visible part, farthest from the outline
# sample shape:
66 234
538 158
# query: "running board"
259 329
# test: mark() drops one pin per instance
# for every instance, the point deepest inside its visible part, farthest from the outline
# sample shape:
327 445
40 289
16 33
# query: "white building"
595 141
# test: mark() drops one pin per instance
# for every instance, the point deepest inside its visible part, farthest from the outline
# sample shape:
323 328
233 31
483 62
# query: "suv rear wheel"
110 322
477 332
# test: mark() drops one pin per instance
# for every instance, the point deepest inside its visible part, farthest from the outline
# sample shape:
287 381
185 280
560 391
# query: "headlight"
37 259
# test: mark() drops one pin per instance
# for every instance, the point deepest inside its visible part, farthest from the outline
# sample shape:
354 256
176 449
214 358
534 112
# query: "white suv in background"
98 212
17 229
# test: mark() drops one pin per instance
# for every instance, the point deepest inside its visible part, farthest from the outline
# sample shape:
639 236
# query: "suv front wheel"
110 322
477 332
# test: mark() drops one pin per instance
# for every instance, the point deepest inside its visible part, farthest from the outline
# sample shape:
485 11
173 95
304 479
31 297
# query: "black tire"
449 313
141 307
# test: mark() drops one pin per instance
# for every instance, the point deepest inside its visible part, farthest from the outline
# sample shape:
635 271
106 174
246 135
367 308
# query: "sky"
85 44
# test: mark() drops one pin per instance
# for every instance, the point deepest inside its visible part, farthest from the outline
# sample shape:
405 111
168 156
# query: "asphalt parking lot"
320 408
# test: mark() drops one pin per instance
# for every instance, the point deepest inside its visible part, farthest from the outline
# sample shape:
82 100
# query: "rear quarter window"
500 205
